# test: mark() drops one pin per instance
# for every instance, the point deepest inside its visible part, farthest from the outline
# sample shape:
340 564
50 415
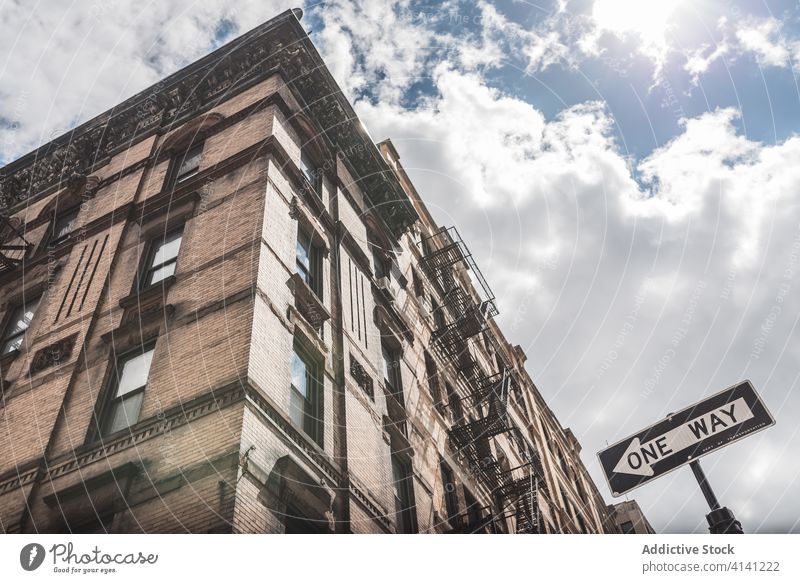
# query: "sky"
625 172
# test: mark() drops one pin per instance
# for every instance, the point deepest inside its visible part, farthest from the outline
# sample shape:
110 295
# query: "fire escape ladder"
13 245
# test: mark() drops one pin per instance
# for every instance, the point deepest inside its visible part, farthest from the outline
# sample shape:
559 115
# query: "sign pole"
720 520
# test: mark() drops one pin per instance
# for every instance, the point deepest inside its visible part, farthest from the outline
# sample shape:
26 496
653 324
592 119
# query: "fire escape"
13 246
514 490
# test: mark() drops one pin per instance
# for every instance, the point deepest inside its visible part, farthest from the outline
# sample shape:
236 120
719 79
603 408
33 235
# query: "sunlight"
647 19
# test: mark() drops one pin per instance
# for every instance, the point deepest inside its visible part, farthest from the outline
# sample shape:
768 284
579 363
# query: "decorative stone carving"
278 45
294 209
361 377
54 354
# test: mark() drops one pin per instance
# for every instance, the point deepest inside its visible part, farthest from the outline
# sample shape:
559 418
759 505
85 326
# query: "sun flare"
648 19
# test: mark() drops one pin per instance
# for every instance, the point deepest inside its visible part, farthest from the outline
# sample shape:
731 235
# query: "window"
162 258
18 323
308 262
382 265
297 523
304 400
433 379
403 496
627 527
310 172
438 315
487 342
63 225
454 404
391 371
419 287
127 393
450 494
186 164
473 508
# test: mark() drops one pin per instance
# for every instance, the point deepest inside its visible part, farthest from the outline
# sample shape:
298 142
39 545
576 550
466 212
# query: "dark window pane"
380 263
402 496
308 264
450 495
387 364
297 408
297 523
189 164
454 404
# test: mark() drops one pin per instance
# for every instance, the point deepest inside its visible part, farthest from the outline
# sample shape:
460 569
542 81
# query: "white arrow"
639 458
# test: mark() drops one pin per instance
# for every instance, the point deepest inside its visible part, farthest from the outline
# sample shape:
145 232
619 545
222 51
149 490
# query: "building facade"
225 309
628 518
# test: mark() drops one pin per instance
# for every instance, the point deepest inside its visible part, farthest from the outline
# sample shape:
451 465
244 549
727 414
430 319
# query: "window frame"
313 271
405 505
381 264
71 213
308 165
439 317
455 405
392 376
105 415
10 318
451 502
312 411
177 161
148 268
473 509
432 377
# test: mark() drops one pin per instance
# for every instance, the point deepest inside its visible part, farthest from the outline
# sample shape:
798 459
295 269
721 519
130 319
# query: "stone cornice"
277 46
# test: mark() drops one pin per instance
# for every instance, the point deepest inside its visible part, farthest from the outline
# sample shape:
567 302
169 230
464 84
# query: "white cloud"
398 46
63 63
649 22
570 240
576 237
764 39
700 59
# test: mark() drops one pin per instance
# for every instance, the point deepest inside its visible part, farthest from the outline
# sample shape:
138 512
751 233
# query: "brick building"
628 517
225 309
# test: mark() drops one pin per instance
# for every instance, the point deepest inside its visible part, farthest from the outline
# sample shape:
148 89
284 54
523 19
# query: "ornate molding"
277 46
53 355
361 377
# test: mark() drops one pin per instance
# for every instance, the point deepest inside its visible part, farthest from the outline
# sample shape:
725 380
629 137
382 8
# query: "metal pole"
720 520
705 487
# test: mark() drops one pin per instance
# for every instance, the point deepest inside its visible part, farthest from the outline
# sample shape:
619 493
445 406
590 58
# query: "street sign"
684 436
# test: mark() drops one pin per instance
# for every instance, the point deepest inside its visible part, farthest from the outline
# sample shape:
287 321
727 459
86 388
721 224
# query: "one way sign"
684 436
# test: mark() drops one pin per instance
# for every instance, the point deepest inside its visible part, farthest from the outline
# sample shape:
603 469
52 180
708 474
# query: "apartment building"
225 309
